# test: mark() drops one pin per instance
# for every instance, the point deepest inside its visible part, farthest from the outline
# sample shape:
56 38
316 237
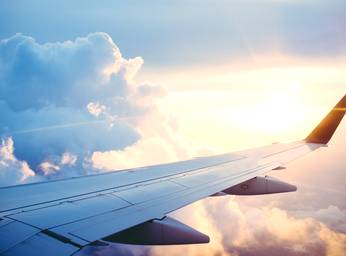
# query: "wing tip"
326 128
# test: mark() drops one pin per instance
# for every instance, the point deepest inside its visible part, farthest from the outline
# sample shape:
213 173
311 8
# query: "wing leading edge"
130 206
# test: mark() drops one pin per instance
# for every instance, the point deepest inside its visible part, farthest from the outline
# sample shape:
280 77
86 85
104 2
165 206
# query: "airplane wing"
130 206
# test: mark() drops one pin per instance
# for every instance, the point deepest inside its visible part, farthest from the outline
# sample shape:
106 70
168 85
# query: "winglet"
326 128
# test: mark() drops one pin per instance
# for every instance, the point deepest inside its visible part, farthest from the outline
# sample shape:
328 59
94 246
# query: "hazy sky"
102 85
168 33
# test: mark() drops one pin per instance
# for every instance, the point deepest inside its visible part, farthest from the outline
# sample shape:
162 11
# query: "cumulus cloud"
238 231
332 216
75 104
144 152
274 230
267 230
12 170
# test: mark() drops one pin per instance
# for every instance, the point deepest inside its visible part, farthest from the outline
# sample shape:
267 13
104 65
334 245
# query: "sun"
278 112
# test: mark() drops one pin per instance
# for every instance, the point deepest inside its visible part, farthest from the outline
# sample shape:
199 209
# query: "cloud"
62 102
12 170
238 231
144 152
332 216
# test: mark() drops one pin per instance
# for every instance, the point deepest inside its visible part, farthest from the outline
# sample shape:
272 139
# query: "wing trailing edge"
326 128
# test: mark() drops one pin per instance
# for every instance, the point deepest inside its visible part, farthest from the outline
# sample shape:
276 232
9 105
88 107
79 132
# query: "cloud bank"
236 230
68 108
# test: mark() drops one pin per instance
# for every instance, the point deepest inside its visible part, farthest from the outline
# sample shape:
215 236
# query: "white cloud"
48 168
264 231
332 216
68 159
96 108
11 169
82 110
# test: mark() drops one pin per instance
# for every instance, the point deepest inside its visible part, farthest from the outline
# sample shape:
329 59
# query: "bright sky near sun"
250 106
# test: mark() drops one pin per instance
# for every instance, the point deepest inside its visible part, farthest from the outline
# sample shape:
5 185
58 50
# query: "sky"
105 85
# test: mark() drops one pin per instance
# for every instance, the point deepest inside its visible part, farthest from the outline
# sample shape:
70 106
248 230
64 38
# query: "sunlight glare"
278 112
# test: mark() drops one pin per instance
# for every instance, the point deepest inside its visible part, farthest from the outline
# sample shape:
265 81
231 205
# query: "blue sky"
168 33
87 87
